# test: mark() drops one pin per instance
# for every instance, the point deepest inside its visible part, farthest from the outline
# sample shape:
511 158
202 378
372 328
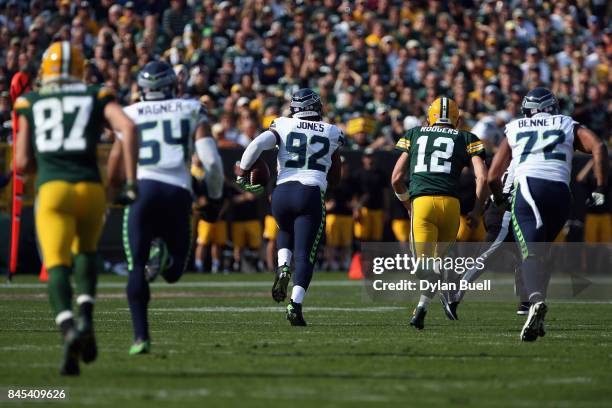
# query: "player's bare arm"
397 179
500 163
588 142
480 173
121 123
115 166
24 158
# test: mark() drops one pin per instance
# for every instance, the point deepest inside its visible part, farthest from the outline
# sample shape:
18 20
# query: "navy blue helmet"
306 104
156 81
539 100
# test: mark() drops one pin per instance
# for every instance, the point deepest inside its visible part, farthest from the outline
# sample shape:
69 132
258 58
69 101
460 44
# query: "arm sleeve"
403 144
475 147
265 141
213 166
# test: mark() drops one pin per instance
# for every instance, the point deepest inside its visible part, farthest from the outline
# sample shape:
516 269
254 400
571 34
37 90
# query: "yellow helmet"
443 111
61 61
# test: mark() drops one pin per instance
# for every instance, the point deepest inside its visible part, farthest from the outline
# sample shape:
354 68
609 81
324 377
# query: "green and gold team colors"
65 125
437 156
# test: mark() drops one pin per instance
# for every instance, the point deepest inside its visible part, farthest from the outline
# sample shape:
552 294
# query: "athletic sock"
64 321
86 273
284 256
86 306
424 302
297 294
199 265
60 290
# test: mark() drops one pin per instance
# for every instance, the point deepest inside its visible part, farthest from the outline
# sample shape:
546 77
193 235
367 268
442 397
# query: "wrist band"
402 196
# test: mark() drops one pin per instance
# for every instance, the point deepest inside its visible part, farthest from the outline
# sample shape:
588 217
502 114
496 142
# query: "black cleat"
294 314
450 308
418 318
523 308
72 349
89 349
281 281
534 325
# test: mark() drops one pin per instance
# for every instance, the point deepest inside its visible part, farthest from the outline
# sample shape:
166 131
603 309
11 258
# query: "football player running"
308 157
497 219
433 156
167 129
542 144
59 129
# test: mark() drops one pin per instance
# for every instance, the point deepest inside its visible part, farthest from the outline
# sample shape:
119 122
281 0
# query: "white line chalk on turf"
231 284
234 309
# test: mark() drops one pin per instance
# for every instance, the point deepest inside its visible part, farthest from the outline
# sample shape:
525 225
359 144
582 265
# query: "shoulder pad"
21 103
105 92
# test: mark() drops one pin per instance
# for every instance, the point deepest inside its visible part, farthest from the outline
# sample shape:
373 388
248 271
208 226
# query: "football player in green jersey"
59 128
433 156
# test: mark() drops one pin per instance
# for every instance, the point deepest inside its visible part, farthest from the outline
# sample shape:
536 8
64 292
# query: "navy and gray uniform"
305 150
542 147
499 231
163 207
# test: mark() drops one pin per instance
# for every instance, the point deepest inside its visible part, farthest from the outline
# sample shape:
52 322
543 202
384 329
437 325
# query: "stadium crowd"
377 65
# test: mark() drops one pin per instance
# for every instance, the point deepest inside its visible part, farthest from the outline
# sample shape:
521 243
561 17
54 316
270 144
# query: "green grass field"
221 341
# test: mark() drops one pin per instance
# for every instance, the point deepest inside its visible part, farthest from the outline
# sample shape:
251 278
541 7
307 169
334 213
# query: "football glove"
244 184
128 194
501 202
211 210
597 198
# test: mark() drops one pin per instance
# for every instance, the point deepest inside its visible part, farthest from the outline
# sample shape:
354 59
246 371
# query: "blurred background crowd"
377 65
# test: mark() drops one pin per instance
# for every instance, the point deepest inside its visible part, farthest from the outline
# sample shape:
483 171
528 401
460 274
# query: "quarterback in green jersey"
433 157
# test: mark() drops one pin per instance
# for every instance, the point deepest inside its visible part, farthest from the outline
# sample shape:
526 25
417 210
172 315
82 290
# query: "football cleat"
418 318
523 308
158 260
281 281
89 349
140 347
294 314
534 325
72 349
450 308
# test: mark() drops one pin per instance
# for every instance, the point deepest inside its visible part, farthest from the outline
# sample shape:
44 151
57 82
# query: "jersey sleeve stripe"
403 144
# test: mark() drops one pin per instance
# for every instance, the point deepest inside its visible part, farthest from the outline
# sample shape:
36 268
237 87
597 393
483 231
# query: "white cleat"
534 325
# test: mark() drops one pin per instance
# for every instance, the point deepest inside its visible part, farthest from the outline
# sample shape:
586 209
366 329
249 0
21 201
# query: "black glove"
597 198
503 201
128 194
211 210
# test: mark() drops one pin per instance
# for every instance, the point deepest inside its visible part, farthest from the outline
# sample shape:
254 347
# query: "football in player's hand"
259 173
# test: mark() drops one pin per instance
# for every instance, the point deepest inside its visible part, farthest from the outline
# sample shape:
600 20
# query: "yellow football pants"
435 222
270 228
597 228
212 233
339 230
401 229
467 234
370 225
247 233
69 216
